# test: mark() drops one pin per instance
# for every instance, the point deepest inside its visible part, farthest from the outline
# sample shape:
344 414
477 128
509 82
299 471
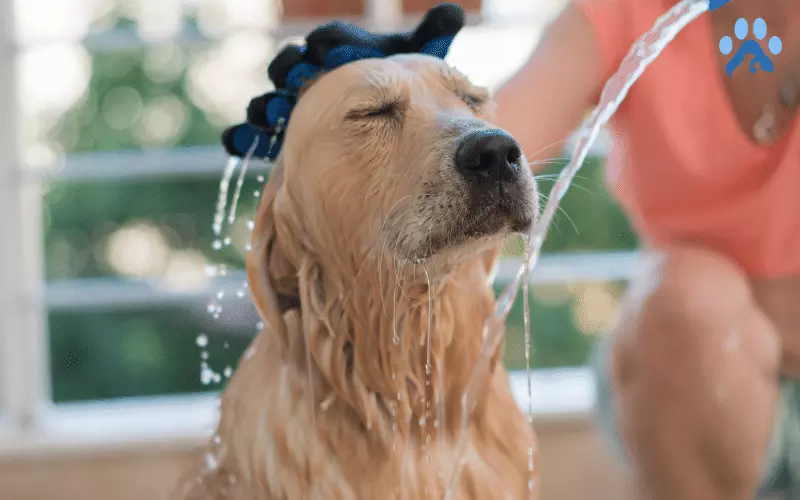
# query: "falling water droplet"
211 462
260 178
211 270
202 340
227 241
248 247
251 225
220 294
222 198
256 194
240 293
225 345
217 244
204 355
206 375
211 308
228 371
260 325
240 182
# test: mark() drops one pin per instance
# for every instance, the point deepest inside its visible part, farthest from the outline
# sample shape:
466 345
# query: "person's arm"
547 99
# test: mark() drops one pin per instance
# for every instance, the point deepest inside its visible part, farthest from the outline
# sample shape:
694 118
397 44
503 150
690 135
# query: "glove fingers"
238 140
336 43
444 20
286 59
270 110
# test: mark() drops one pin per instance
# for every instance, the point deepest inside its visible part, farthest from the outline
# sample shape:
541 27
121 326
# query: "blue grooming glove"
328 47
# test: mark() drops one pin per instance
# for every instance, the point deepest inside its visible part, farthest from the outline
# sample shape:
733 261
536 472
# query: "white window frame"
30 424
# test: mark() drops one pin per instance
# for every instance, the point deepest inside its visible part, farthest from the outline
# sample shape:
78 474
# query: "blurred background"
120 316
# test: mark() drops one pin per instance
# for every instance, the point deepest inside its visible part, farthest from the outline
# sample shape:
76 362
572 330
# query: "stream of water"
642 53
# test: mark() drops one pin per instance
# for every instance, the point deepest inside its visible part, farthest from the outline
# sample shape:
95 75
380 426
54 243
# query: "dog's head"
396 155
388 155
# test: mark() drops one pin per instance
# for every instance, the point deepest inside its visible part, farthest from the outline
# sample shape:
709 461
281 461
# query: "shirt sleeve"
613 24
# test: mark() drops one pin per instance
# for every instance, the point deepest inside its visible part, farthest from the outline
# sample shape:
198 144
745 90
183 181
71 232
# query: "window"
106 201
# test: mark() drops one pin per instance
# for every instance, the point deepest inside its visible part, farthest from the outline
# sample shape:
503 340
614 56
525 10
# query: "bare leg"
695 368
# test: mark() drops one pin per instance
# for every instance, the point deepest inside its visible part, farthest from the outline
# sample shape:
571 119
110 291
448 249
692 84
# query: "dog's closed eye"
385 109
473 100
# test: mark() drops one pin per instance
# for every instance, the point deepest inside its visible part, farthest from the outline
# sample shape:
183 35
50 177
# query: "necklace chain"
765 129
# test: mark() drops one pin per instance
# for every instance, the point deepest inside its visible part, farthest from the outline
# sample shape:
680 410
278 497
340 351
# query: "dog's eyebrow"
456 82
375 89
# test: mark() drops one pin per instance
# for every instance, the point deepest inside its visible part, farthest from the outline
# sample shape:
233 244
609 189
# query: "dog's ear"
272 277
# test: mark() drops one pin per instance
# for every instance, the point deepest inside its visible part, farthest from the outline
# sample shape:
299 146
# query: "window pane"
41 21
159 230
122 353
113 354
158 94
161 96
565 322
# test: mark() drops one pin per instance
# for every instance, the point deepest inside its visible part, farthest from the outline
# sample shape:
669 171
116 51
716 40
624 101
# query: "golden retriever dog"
370 264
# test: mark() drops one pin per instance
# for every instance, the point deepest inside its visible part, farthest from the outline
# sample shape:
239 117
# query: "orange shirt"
681 166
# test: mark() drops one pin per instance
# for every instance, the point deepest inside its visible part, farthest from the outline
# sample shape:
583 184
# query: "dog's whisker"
549 161
553 144
578 186
561 209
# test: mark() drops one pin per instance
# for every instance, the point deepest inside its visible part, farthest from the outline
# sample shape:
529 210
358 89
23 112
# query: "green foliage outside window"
137 352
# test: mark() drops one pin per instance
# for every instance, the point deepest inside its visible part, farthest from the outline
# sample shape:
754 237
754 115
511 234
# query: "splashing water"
527 327
242 173
222 199
428 388
642 53
207 375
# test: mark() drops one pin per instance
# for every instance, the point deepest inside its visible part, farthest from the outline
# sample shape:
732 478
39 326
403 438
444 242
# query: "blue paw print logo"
750 46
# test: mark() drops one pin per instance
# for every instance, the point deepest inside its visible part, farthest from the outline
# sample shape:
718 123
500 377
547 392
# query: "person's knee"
696 352
698 308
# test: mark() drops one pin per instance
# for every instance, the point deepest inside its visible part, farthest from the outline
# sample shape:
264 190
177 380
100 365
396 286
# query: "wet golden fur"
330 400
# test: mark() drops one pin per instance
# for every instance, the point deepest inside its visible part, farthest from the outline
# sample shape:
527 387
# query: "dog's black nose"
489 155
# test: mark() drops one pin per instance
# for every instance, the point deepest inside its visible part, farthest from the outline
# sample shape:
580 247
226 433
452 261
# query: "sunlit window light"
222 80
594 308
138 251
162 121
185 271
